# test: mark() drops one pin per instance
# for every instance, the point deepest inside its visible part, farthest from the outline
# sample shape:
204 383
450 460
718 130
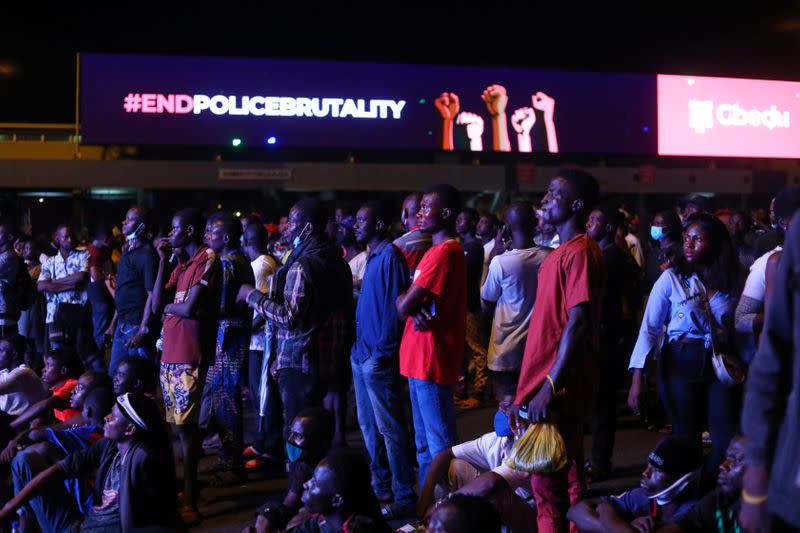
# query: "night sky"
37 51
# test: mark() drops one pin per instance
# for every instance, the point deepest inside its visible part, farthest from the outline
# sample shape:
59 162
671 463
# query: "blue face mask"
501 426
297 240
657 233
294 453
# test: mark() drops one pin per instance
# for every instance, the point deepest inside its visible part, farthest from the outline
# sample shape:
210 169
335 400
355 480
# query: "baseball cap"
675 456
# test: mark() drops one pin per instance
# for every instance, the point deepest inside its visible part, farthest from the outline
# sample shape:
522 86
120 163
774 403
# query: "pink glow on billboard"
701 116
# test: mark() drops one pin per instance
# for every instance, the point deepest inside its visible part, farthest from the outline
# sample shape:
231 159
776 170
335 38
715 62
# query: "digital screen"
701 116
167 100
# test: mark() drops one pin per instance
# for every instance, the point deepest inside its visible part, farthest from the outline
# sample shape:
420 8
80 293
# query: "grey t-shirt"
512 282
104 518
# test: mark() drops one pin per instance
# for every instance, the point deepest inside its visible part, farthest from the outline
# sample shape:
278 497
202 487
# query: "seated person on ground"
478 467
339 497
87 383
135 374
666 492
309 441
719 509
54 443
462 513
59 377
135 482
20 387
61 439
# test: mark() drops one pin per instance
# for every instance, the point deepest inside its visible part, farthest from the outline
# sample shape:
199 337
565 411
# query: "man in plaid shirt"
311 316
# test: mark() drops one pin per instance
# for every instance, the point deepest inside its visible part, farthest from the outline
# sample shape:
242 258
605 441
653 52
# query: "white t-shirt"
511 282
264 266
489 452
635 247
756 285
487 251
358 265
24 389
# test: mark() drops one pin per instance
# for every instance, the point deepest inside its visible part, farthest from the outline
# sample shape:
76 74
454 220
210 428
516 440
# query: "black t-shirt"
769 240
712 513
474 254
136 274
617 276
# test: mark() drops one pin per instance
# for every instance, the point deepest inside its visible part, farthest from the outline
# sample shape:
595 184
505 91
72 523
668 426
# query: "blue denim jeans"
56 510
434 421
122 334
379 401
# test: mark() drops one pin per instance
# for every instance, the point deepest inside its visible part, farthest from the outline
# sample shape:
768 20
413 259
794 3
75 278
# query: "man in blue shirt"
374 359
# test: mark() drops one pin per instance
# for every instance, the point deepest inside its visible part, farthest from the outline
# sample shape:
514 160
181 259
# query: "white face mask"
135 234
671 492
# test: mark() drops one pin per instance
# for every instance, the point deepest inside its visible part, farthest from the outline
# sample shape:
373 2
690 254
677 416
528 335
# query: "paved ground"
231 509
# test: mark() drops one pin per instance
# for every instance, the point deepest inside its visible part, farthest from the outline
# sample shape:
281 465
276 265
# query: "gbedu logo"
702 116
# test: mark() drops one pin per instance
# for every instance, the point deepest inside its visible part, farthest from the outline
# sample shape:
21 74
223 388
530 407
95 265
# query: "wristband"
753 500
552 383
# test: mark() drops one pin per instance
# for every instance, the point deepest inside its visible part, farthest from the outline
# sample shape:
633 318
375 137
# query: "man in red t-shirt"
558 381
433 341
189 333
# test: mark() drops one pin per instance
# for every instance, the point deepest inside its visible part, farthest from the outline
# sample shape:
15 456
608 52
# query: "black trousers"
289 394
603 421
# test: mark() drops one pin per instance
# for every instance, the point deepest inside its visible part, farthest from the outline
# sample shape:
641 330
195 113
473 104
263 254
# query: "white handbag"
729 369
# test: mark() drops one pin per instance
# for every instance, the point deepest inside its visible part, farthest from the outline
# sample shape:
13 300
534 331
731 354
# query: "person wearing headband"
134 485
666 492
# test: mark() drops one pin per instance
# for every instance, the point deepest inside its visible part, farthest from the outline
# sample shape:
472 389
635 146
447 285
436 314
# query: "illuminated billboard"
168 100
702 116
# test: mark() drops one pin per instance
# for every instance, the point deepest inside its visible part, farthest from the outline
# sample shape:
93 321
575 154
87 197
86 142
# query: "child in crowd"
135 374
59 378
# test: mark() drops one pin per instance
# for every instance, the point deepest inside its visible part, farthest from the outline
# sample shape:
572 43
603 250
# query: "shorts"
182 389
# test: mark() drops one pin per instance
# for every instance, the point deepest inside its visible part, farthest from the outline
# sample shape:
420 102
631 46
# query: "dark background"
37 48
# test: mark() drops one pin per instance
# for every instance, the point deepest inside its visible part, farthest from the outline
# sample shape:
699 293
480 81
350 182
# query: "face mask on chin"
135 234
670 493
300 236
295 453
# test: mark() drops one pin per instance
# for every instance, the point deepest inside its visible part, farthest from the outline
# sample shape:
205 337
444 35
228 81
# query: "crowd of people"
121 354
